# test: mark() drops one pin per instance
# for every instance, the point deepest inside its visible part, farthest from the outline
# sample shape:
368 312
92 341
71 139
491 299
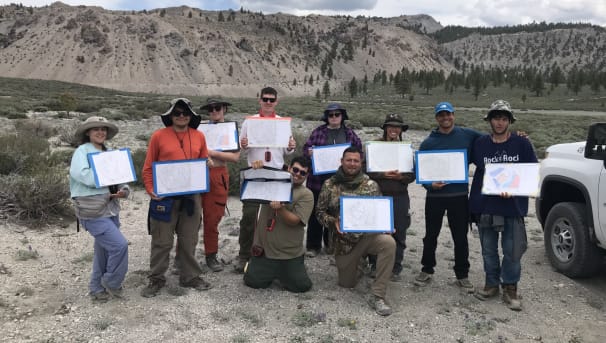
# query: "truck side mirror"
595 148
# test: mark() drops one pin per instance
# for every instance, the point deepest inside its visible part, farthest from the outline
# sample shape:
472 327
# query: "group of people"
272 243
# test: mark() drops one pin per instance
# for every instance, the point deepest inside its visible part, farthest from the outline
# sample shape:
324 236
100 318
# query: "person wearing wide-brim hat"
394 183
334 131
97 209
179 140
214 201
183 105
395 121
214 103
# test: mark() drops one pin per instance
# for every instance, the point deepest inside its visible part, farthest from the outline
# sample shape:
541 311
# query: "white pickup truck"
571 206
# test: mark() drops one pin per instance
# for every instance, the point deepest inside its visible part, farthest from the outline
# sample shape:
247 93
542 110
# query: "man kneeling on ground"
278 250
351 247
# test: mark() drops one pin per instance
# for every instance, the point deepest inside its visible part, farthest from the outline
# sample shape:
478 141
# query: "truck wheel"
567 241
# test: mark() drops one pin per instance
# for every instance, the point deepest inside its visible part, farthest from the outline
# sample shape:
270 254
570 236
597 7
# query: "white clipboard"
112 167
180 177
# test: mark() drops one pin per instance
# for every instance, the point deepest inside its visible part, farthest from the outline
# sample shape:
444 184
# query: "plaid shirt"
318 137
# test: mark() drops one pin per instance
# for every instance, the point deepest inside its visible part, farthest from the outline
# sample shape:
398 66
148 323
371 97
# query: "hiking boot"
487 292
114 292
422 279
465 285
395 277
380 306
100 297
214 264
373 271
240 267
153 288
312 253
196 283
510 297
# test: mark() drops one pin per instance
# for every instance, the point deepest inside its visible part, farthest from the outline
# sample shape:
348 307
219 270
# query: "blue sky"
453 12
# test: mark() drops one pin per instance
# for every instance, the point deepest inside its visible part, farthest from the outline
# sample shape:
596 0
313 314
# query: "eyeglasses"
334 114
296 170
181 113
215 108
272 100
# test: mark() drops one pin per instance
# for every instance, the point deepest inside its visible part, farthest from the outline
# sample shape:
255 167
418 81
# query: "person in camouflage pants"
349 248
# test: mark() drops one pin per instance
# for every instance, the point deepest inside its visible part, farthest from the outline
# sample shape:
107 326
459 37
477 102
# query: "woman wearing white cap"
97 210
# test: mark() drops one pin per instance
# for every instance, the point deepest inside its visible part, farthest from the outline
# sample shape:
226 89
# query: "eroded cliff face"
189 51
183 50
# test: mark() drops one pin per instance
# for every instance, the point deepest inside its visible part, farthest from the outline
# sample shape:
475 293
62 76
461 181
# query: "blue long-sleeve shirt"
458 138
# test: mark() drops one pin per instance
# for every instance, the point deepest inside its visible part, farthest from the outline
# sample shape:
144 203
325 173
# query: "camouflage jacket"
328 206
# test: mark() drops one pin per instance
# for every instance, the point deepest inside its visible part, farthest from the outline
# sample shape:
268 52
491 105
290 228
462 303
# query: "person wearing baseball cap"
447 198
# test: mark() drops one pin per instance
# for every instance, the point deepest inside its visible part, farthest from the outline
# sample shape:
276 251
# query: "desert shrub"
12 111
66 133
138 161
234 175
143 137
35 127
61 158
35 199
22 154
87 107
16 115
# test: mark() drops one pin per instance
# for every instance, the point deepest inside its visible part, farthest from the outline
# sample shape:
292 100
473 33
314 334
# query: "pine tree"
353 87
326 90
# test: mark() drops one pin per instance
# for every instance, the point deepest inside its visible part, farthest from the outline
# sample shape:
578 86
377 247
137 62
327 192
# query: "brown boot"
510 297
487 292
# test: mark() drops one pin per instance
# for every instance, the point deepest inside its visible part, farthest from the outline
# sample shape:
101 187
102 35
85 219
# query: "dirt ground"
44 275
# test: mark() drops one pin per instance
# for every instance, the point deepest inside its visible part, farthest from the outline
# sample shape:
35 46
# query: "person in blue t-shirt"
449 198
500 214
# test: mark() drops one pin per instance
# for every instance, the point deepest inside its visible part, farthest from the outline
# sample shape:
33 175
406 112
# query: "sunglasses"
296 170
334 114
215 108
272 100
181 113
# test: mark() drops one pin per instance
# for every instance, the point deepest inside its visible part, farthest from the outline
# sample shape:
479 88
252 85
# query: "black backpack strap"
148 217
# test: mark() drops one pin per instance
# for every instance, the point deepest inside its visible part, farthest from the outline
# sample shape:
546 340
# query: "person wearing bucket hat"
503 214
214 201
333 131
449 198
395 184
97 209
500 107
258 157
178 141
182 105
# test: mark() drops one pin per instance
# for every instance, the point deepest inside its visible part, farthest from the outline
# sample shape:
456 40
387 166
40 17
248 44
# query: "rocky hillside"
190 51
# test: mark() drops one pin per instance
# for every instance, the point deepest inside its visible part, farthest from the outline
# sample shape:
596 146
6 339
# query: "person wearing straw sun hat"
179 140
214 202
395 184
97 209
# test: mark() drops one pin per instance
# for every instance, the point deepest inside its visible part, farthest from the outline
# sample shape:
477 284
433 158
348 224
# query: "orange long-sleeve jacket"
168 145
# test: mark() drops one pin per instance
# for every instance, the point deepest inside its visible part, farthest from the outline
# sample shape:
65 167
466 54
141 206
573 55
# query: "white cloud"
453 12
